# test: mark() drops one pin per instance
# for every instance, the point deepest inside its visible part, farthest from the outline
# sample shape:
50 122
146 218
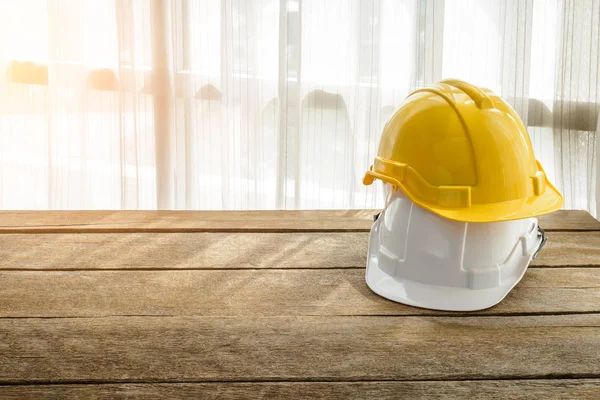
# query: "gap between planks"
99 382
528 389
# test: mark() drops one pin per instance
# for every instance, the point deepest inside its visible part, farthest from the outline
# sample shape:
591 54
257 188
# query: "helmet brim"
548 201
433 297
530 207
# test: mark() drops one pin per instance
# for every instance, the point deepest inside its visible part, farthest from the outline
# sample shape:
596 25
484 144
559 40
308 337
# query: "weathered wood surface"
247 293
274 305
234 250
229 221
530 389
318 348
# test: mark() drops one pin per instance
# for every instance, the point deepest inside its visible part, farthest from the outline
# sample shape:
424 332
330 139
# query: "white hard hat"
421 259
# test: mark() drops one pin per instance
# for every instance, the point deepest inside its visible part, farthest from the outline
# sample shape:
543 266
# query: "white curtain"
268 104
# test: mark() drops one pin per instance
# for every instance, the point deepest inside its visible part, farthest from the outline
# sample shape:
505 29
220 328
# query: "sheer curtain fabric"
270 104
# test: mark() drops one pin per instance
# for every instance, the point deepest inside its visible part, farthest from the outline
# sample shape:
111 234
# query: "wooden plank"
574 249
185 221
235 250
298 348
183 250
261 293
229 221
530 389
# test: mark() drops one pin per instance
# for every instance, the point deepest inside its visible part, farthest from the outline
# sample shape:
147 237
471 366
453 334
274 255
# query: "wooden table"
274 305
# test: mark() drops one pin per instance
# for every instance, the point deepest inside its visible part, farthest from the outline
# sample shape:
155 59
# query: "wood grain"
235 250
229 221
261 293
165 304
353 348
532 389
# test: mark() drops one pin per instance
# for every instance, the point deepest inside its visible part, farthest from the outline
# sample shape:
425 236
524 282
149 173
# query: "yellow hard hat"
462 152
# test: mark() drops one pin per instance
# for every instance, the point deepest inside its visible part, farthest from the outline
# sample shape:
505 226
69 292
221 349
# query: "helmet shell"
418 258
463 153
